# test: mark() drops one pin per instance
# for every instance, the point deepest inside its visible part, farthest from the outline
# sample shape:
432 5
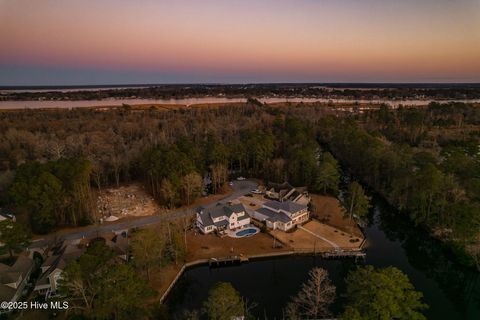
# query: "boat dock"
344 254
226 261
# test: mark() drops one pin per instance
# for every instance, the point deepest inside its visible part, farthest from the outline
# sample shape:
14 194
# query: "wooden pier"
226 261
344 254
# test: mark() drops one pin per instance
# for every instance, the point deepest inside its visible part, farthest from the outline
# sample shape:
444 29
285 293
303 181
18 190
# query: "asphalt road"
240 188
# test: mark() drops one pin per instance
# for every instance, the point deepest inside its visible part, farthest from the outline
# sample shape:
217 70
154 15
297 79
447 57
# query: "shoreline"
187 103
246 258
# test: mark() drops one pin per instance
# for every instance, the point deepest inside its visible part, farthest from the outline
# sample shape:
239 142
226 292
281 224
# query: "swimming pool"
246 232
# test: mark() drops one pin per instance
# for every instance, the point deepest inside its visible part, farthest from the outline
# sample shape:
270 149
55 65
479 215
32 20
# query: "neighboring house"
222 218
286 192
53 267
6 214
282 215
13 278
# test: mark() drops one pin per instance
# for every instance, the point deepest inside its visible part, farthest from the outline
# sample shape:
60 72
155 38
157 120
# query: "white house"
221 218
282 215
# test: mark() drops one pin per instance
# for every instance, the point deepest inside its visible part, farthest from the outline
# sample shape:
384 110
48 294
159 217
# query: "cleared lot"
129 200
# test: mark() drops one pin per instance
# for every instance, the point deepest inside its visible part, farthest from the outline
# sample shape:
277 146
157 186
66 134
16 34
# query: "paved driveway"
240 188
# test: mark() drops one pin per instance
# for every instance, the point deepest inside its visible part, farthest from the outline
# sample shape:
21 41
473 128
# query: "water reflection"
451 291
459 284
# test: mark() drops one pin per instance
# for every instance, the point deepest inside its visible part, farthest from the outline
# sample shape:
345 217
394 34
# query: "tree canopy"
96 285
356 201
54 194
327 178
13 236
383 294
224 303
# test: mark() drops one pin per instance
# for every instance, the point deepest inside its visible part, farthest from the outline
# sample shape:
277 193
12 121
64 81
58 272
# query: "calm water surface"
451 291
189 101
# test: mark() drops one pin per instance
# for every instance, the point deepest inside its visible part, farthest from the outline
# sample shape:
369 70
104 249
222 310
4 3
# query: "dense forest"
326 91
424 161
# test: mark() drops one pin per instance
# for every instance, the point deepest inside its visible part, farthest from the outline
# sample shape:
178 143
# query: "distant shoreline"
350 85
138 103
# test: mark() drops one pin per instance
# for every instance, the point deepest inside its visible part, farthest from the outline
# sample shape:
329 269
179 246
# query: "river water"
451 291
190 101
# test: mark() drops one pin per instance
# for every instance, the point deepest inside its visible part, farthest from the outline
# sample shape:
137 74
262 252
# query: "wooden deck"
344 254
226 261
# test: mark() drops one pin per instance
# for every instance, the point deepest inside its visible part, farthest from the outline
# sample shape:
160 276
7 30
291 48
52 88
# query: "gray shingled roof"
245 216
274 216
9 277
222 223
219 211
205 217
287 206
8 274
6 292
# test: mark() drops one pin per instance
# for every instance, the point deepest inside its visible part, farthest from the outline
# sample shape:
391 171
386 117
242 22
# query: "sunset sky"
55 42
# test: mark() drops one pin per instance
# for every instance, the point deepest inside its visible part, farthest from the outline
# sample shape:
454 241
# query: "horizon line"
131 85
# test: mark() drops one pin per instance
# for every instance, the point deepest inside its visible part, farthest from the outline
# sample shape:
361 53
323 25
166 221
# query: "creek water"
450 290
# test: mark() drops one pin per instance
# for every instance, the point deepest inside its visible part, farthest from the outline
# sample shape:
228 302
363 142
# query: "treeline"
287 151
115 139
426 126
53 194
448 134
411 179
260 90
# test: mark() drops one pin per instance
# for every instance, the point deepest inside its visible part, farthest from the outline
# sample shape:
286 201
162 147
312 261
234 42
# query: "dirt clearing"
130 200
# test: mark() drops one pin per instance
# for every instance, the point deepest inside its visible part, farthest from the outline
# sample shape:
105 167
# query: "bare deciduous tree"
314 298
219 176
191 186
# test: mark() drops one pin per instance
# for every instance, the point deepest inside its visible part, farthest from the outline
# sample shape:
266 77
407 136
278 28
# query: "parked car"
256 191
241 178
